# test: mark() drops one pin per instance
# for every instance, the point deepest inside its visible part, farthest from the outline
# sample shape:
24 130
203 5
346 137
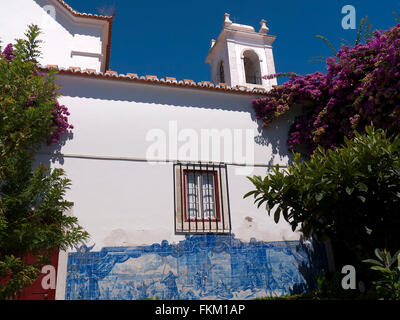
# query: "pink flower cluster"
60 123
8 52
361 86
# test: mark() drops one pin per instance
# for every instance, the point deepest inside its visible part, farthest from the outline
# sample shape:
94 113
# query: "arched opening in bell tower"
221 72
252 70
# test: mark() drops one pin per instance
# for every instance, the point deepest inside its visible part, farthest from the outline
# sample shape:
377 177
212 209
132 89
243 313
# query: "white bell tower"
241 56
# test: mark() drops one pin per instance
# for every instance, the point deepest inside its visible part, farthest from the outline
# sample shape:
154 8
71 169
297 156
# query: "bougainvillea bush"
361 87
32 205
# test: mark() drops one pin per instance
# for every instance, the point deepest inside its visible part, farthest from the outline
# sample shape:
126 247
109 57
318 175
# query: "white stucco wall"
124 200
62 35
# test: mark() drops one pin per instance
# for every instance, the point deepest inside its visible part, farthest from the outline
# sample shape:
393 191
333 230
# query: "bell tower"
241 56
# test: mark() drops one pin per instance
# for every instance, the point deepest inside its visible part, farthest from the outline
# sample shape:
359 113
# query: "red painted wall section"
44 288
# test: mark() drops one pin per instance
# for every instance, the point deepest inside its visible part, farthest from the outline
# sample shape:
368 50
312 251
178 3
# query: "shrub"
349 195
387 287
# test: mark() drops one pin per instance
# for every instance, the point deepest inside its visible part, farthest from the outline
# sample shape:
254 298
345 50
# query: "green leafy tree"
387 286
32 206
350 195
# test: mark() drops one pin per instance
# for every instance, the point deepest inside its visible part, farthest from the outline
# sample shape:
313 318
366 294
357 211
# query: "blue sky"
172 38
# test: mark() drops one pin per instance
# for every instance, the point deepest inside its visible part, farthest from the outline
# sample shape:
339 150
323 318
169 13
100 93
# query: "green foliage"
32 206
29 49
23 276
330 45
329 288
350 194
388 284
26 102
364 33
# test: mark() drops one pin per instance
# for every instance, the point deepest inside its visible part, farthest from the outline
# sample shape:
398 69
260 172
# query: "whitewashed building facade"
159 165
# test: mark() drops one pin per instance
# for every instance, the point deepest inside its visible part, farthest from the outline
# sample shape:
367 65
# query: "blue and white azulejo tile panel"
199 267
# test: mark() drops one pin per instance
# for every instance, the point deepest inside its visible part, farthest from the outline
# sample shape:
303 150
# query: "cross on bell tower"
242 56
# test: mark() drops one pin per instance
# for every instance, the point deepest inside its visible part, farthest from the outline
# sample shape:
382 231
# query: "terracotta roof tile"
84 15
52 66
168 81
151 77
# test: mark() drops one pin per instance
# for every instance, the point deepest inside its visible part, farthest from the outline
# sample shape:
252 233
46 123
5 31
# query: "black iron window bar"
201 198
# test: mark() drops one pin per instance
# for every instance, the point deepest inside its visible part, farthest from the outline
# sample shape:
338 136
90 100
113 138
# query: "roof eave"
152 80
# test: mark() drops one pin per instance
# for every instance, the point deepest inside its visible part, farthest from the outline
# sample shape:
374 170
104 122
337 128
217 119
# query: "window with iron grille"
201 198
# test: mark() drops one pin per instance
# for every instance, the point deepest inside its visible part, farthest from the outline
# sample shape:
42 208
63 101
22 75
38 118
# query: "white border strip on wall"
61 275
62 267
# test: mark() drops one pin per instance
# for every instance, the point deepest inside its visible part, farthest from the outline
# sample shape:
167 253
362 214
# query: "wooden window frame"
184 224
216 197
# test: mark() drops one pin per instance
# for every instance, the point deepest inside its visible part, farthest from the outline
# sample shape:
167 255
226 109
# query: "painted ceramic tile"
199 267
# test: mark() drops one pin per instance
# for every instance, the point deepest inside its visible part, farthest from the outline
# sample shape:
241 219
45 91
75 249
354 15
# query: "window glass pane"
200 195
192 195
207 189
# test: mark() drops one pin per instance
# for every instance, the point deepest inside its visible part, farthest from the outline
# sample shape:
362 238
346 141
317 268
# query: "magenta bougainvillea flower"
60 123
361 86
8 52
